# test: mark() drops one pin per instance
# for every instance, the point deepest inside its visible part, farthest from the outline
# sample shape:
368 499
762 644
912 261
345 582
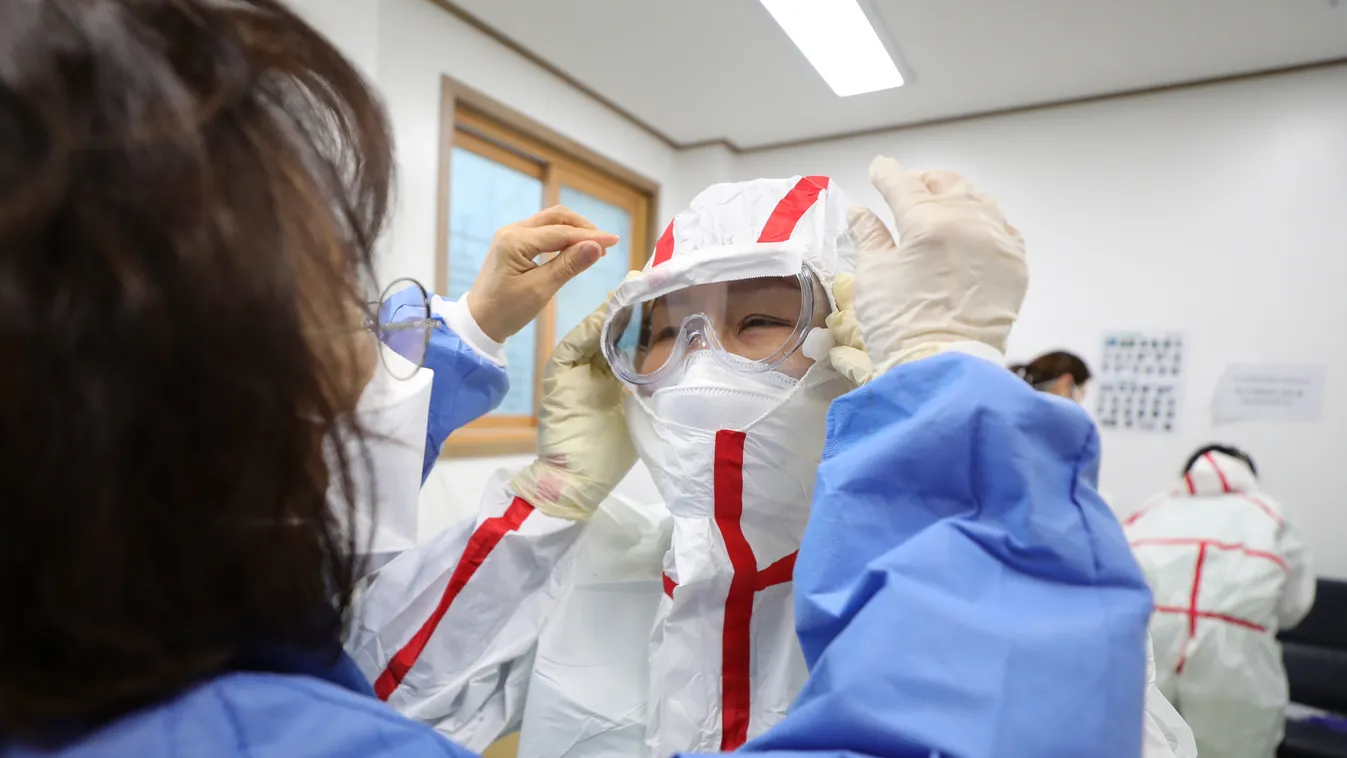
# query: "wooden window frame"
472 120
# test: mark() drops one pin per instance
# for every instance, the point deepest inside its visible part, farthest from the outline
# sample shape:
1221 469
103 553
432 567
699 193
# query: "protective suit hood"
1216 473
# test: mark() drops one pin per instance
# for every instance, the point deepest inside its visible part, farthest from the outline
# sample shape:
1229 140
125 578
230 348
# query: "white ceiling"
700 70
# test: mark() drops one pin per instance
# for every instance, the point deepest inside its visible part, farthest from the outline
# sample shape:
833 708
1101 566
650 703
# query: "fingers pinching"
534 241
571 262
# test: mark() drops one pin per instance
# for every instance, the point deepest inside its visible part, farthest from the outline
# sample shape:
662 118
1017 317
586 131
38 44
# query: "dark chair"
1315 654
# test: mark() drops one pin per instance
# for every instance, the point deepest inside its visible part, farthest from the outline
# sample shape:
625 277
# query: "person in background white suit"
1228 571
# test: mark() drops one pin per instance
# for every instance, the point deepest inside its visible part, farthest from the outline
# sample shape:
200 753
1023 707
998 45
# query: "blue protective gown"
962 590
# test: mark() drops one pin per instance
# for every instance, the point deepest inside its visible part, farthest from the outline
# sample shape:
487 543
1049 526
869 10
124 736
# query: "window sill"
485 443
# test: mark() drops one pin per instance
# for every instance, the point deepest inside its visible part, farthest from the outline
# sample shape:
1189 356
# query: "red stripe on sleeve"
669 586
1192 488
665 247
479 546
737 642
781 224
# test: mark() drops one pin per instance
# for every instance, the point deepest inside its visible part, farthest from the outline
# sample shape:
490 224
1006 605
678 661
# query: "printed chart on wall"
1140 382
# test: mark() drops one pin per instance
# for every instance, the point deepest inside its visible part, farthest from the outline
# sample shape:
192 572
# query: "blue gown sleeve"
466 385
962 590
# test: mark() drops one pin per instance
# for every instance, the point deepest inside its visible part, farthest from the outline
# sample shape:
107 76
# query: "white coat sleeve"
1298 595
447 631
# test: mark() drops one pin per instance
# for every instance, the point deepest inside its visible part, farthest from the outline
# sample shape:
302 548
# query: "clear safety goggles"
751 325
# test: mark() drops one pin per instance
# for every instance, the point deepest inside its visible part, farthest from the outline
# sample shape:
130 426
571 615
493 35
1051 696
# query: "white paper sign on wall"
1284 393
1140 382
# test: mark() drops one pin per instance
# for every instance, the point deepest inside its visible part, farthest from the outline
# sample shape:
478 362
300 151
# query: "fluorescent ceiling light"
838 40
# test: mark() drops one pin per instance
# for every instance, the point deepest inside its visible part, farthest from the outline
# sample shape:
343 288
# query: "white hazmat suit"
1228 572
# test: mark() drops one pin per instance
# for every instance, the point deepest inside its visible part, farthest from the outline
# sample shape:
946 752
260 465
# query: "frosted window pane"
483 196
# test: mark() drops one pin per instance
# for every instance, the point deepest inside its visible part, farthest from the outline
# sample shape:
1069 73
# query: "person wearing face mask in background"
1060 373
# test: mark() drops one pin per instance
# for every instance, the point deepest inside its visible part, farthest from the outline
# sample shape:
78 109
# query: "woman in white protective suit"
750 268
1228 571
965 591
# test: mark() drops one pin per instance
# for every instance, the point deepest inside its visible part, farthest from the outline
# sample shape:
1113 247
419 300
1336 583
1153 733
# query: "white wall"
1216 211
353 25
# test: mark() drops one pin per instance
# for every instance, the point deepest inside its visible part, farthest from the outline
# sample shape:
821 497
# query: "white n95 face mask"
394 414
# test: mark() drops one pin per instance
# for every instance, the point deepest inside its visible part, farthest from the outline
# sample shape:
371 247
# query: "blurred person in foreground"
199 422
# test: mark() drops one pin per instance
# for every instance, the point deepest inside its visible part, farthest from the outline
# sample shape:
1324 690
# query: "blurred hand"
511 289
957 273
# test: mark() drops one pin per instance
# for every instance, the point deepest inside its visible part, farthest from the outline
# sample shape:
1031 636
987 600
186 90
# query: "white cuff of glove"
458 318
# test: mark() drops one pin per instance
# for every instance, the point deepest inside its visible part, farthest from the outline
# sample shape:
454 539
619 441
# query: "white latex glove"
583 446
848 354
957 276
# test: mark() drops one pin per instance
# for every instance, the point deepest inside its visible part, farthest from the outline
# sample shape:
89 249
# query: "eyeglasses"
401 319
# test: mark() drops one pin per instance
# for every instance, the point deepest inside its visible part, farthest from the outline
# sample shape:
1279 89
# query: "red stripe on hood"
781 224
664 248
1225 483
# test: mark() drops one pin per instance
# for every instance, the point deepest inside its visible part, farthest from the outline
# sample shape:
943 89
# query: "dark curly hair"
190 191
